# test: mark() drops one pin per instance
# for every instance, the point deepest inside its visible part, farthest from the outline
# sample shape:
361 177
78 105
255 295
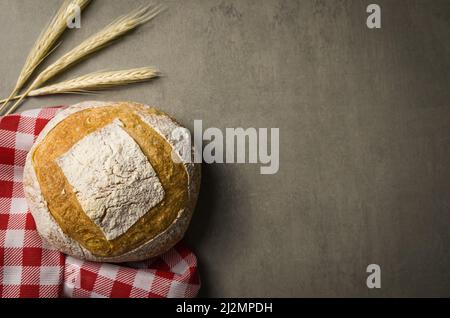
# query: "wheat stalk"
97 81
96 42
46 43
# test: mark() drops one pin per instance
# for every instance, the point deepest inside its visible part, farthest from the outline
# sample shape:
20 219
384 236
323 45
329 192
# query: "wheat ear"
46 43
96 42
97 81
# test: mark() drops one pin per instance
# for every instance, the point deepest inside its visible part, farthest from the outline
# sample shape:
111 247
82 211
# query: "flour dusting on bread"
114 182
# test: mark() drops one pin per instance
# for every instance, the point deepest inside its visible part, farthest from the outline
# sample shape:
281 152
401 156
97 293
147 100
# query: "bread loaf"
102 185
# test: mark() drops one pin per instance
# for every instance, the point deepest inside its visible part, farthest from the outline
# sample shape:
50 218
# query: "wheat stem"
96 42
45 43
97 81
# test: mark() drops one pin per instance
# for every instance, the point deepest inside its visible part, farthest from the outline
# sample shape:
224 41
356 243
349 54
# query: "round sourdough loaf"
106 182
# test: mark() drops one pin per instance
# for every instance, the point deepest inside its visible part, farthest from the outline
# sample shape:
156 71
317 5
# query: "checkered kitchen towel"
29 269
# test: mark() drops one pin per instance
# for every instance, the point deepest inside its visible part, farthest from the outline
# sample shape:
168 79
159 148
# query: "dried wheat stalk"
97 81
46 43
96 42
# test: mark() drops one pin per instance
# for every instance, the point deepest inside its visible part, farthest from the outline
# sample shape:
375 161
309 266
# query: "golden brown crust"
52 198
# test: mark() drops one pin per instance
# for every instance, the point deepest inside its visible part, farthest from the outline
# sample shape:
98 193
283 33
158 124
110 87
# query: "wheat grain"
98 81
96 42
46 43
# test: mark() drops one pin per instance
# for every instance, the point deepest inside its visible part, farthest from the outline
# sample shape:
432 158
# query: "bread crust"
51 232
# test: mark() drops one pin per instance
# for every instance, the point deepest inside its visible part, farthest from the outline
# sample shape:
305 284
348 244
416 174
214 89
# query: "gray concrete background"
365 131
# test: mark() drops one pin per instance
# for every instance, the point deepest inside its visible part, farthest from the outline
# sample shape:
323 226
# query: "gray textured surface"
365 131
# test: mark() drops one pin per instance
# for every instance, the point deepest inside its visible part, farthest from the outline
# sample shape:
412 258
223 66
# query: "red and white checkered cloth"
29 269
